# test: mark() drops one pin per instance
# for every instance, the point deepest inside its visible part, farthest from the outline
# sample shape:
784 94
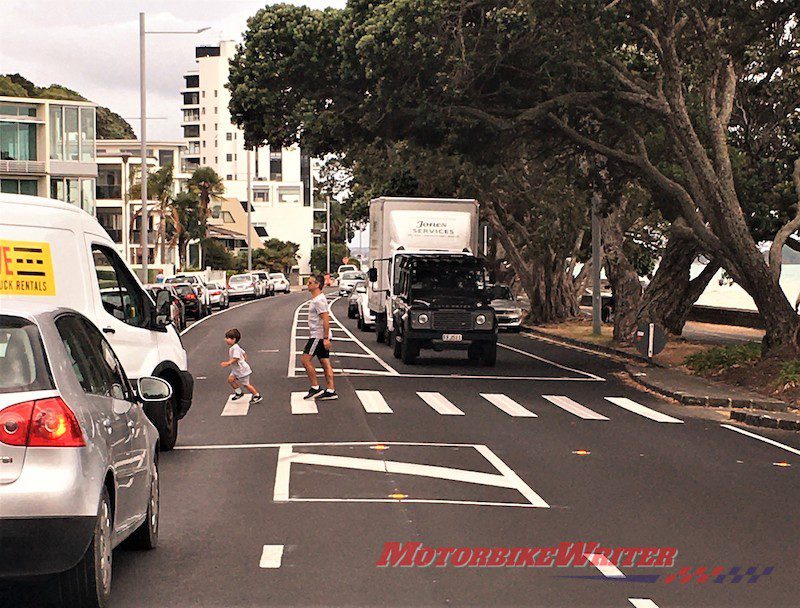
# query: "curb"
765 420
693 399
596 348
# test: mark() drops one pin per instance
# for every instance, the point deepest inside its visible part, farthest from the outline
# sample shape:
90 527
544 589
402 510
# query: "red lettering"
461 557
666 557
648 557
498 557
402 554
479 556
424 557
546 557
442 553
527 557
569 552
5 261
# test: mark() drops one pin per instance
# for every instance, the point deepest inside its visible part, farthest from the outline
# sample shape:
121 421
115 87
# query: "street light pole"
249 205
328 234
143 137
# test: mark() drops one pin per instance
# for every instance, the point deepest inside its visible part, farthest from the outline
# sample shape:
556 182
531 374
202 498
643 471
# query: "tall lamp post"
143 106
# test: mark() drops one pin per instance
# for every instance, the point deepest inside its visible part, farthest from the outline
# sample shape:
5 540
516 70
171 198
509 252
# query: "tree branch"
789 228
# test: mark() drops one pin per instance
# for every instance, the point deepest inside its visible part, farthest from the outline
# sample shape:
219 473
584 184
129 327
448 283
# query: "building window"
190 99
19 186
204 94
191 131
229 157
260 196
229 136
216 160
215 126
204 143
166 157
204 127
109 182
78 192
88 136
227 217
72 133
192 81
215 143
215 92
276 166
229 177
204 160
17 141
215 110
289 195
56 133
14 109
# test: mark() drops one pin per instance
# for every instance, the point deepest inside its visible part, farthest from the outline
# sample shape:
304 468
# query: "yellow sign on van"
26 268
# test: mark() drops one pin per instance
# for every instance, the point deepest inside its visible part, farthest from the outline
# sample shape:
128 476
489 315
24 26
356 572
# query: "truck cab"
439 301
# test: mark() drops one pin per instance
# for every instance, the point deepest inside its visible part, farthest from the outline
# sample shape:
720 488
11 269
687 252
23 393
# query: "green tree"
160 184
276 256
185 223
208 186
216 255
339 251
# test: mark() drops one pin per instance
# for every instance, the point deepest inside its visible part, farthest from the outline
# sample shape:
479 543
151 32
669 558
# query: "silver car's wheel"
146 535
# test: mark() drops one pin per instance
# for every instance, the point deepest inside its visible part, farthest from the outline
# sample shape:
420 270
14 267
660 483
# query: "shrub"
724 357
790 373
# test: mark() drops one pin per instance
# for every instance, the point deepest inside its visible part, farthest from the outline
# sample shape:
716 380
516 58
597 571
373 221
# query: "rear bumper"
242 293
37 546
187 392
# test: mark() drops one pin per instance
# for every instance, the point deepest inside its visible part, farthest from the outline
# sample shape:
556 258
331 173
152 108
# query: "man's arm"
326 328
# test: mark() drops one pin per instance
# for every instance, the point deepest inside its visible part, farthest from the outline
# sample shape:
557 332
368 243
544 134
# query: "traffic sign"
650 339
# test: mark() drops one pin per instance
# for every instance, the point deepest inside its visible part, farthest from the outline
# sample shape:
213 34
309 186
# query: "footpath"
666 374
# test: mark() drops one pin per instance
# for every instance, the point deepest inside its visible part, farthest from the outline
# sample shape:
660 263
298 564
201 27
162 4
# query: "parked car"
348 280
78 455
263 277
279 282
203 290
177 309
75 264
346 268
506 307
244 286
219 295
366 318
191 300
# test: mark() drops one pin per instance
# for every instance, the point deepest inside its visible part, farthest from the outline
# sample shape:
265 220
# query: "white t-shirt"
240 368
319 305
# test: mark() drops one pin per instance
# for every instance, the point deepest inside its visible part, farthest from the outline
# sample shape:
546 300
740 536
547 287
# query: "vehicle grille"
452 319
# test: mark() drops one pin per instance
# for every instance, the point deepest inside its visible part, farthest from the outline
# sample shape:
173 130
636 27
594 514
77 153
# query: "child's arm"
229 362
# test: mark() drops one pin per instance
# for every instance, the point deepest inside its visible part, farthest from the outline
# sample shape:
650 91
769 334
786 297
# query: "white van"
54 252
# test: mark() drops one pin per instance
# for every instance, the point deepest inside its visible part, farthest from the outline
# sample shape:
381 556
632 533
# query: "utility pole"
596 296
328 234
143 137
249 206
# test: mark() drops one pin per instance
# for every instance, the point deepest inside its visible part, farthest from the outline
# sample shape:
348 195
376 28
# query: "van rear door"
121 309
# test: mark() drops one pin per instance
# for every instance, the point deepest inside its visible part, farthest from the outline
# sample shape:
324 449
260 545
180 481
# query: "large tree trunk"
625 286
669 297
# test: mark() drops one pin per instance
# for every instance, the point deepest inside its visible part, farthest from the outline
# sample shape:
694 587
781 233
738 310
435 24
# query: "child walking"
240 369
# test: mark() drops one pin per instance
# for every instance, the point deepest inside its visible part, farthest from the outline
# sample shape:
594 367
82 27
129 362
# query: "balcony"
27 167
108 192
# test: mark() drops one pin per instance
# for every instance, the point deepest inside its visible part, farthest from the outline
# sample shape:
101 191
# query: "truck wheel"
489 354
409 350
396 345
360 322
88 583
380 331
165 419
474 352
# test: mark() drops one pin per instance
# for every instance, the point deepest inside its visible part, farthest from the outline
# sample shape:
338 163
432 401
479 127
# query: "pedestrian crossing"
374 402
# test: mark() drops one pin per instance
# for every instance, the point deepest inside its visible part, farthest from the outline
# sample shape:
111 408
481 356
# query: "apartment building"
118 169
282 205
47 148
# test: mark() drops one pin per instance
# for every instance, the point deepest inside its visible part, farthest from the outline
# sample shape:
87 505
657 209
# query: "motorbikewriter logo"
563 555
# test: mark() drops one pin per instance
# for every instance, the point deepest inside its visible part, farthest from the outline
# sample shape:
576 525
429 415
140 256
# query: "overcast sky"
92 46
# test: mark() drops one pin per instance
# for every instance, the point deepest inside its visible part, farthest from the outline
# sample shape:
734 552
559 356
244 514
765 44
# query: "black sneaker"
328 395
236 396
313 392
256 399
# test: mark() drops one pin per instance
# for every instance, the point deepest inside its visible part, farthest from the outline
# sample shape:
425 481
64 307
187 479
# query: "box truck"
426 285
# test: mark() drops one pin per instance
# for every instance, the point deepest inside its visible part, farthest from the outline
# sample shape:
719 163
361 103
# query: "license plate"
452 337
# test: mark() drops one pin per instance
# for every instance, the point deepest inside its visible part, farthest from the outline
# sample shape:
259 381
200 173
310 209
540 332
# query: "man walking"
319 342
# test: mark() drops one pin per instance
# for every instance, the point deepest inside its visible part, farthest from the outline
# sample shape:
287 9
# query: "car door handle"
109 330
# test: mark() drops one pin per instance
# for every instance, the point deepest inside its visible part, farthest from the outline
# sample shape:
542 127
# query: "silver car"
78 456
508 309
244 286
279 281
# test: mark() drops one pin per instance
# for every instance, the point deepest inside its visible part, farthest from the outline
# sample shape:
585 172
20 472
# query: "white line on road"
761 438
567 404
508 405
538 358
303 406
332 339
522 487
281 491
373 402
641 602
239 407
271 556
441 404
356 355
602 563
637 408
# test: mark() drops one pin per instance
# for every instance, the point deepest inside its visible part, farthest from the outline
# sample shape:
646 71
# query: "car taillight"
46 423
190 296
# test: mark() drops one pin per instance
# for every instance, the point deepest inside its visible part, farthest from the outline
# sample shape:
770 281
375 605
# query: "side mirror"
163 303
152 389
373 275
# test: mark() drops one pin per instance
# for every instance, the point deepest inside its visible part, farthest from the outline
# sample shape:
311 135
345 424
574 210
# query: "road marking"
602 563
567 404
441 404
373 402
553 363
640 602
269 350
303 406
332 339
355 355
271 556
351 372
240 407
761 438
637 408
505 479
508 405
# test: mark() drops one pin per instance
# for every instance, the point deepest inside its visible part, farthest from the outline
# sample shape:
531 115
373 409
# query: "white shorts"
244 380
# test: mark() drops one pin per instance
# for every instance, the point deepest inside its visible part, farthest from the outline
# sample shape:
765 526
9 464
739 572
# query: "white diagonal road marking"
777 444
508 405
240 407
576 409
641 602
602 563
303 406
271 556
642 410
441 404
373 402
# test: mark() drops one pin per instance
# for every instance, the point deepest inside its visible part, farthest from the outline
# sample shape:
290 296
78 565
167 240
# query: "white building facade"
282 205
47 148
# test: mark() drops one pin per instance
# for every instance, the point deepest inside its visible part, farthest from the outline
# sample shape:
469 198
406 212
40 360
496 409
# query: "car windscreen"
442 277
23 366
349 276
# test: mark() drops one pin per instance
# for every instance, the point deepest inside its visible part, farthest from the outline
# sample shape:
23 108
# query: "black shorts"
316 348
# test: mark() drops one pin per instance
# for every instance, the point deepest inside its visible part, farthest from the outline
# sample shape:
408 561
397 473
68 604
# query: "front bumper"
187 392
436 337
35 546
506 322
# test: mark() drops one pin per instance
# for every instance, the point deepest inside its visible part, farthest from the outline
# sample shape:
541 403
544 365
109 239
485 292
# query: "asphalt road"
287 503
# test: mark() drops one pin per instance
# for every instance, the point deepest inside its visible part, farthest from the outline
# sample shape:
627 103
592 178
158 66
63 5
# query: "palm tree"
185 223
159 189
208 186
